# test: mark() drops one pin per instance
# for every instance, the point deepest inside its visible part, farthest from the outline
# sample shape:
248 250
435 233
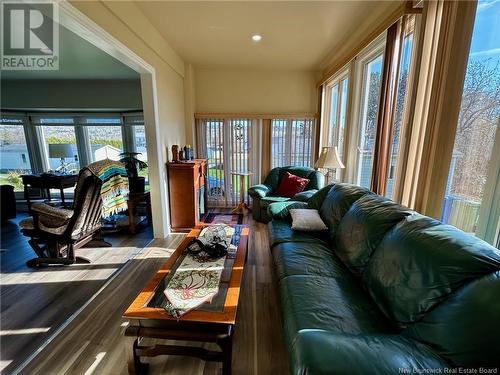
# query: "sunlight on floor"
4 364
49 276
93 366
27 331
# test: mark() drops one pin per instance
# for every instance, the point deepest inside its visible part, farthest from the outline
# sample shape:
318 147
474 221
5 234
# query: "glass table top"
159 300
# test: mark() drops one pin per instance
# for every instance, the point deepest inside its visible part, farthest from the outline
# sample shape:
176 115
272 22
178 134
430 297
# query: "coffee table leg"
226 345
135 366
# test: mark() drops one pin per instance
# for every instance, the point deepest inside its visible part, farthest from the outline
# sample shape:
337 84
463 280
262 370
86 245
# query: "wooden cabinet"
187 193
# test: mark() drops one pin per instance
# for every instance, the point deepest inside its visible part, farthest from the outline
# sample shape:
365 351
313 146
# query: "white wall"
71 94
254 91
126 23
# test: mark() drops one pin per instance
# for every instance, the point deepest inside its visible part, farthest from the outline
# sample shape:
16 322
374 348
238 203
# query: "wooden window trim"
385 110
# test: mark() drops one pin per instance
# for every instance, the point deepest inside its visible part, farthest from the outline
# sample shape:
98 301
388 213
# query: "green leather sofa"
265 194
385 290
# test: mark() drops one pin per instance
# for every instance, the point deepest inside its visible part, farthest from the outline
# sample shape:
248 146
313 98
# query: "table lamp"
62 151
329 159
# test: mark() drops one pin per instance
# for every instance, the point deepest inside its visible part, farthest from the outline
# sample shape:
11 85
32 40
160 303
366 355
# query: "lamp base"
330 173
63 168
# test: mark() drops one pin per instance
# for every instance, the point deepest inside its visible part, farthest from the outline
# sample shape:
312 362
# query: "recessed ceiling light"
256 38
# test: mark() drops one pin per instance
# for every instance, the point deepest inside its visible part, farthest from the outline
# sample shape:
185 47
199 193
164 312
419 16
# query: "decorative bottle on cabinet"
186 183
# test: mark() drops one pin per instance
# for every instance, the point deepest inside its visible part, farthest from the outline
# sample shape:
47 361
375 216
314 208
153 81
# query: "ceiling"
79 59
297 35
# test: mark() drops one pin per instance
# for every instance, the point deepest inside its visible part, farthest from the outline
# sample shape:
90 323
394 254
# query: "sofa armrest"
304 196
316 200
322 352
259 191
281 210
45 210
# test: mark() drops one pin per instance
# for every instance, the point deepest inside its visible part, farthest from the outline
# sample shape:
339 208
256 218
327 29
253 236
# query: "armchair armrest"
259 191
45 210
304 196
281 210
323 352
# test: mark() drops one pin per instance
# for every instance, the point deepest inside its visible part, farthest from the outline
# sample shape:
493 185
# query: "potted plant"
133 165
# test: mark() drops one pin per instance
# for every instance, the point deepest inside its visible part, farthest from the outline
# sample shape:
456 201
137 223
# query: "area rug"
224 218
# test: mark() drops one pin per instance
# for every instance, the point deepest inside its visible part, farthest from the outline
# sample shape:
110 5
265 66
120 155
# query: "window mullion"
83 145
128 138
36 144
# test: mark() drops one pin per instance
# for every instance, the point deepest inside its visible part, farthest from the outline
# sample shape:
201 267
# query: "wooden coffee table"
211 322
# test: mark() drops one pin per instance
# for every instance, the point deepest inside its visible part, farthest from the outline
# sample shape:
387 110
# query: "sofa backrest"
316 179
440 285
420 263
363 227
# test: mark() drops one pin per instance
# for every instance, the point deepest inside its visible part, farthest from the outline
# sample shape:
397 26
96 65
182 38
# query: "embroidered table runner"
196 280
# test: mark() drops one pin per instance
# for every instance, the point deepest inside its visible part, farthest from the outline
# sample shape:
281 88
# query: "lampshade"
329 159
60 150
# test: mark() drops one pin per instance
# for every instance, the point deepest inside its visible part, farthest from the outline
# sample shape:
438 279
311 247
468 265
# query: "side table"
133 200
242 205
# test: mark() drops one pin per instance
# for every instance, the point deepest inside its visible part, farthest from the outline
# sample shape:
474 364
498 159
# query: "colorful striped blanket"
114 190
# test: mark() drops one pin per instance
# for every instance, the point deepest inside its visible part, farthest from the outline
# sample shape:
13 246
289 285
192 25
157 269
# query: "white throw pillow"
307 220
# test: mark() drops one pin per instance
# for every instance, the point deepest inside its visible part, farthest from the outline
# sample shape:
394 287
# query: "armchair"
55 233
265 194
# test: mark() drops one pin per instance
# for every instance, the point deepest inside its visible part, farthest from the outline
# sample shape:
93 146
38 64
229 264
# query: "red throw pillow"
291 185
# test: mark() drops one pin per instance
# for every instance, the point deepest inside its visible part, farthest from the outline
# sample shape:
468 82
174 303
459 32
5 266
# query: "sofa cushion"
337 304
325 353
303 258
291 185
316 179
420 262
280 231
465 329
337 202
362 228
307 220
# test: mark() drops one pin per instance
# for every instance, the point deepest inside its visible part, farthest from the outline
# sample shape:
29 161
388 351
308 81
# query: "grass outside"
12 178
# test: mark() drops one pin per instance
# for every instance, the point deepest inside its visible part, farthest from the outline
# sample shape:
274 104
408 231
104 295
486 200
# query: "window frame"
288 139
343 74
373 50
413 25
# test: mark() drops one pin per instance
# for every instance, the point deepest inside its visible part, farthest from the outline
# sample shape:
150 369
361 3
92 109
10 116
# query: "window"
370 94
39 142
473 179
135 140
337 91
227 144
105 142
14 159
55 138
292 142
401 99
214 146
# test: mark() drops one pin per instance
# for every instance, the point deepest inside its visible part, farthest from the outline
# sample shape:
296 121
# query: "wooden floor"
36 303
92 342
